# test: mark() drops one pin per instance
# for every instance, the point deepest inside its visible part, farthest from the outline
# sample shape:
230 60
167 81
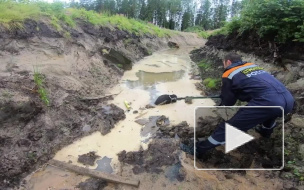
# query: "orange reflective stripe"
228 72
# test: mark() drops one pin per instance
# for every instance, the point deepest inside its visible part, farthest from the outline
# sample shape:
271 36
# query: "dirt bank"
77 71
251 43
290 73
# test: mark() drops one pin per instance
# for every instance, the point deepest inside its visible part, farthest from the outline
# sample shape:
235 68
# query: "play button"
235 138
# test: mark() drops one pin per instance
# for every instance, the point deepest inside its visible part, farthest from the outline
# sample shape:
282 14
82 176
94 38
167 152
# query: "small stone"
229 176
301 150
86 128
172 134
297 121
188 100
149 106
88 159
142 121
135 112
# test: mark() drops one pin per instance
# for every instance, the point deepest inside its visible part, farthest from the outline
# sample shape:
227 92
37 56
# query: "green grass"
12 15
197 29
38 79
223 31
17 12
204 64
212 83
131 25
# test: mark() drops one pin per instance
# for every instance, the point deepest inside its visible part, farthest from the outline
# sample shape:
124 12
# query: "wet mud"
92 184
160 152
73 70
88 159
29 135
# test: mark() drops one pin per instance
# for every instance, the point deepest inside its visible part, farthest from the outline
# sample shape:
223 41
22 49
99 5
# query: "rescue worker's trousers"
247 118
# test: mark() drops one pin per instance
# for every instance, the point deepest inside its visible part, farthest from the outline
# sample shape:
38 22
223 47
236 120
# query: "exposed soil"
161 152
249 43
74 70
32 133
92 184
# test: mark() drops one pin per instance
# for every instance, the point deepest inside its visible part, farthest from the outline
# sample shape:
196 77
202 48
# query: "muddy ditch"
164 149
77 73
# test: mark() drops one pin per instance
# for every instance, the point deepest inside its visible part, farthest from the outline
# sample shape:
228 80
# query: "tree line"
171 14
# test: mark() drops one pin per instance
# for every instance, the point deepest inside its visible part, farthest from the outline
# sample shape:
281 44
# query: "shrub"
212 83
278 20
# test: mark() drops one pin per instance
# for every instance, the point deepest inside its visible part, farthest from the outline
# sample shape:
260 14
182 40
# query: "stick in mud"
94 173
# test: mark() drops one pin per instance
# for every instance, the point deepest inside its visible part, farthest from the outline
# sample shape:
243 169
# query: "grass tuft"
212 83
39 81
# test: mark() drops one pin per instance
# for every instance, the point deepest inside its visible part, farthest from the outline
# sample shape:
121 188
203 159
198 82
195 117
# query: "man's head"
231 58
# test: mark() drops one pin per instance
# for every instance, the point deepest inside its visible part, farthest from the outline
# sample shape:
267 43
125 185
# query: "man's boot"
264 131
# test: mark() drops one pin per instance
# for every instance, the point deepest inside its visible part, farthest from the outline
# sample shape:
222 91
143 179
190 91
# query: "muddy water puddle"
148 79
165 72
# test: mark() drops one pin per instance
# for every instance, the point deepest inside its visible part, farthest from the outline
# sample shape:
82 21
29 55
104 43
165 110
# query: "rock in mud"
160 152
297 121
301 150
142 121
173 44
88 159
188 100
175 172
181 130
92 184
153 124
149 106
119 58
111 114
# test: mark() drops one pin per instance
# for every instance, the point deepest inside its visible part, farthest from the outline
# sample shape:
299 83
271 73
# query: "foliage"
39 81
275 20
171 14
212 83
12 15
204 34
220 31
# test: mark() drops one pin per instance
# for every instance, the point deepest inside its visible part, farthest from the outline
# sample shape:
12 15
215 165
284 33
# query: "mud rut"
145 145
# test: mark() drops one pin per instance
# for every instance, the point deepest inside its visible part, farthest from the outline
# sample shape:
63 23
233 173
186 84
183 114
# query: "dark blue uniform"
249 82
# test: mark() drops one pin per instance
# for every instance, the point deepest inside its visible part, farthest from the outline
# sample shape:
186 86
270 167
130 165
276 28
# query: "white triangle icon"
235 138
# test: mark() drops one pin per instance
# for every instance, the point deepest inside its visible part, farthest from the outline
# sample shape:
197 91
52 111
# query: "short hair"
233 57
